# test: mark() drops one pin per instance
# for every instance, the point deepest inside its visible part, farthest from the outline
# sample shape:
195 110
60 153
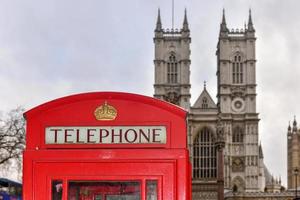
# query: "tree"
12 138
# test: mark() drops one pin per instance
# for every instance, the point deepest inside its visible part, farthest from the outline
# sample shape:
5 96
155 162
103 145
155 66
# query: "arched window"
204 103
172 69
204 156
237 70
238 135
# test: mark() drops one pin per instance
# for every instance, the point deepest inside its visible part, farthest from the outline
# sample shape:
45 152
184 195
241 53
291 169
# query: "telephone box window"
100 190
57 189
151 190
98 197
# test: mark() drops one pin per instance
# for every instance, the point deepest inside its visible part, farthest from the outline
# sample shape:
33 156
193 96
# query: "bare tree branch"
12 136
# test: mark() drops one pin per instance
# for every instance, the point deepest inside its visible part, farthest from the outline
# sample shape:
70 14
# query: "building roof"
199 101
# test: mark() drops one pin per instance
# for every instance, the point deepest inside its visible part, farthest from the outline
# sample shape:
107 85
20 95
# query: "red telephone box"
106 146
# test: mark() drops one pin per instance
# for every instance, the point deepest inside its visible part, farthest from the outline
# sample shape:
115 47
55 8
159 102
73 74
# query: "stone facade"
172 64
222 137
236 76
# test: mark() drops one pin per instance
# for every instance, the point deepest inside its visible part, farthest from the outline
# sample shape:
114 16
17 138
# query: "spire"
223 26
250 18
223 17
185 22
294 124
158 22
272 179
289 127
280 179
204 85
261 155
250 23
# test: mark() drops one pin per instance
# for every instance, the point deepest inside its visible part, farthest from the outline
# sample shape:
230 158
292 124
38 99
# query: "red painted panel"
106 165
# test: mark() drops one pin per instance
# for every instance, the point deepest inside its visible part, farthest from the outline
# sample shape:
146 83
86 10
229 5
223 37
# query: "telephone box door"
111 180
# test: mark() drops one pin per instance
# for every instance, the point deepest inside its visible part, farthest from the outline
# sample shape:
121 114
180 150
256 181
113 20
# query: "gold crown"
105 112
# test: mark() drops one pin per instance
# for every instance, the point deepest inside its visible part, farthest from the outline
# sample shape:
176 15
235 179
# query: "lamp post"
296 171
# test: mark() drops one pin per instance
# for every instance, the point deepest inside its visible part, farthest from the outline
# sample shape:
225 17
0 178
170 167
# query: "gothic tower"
293 155
236 76
172 64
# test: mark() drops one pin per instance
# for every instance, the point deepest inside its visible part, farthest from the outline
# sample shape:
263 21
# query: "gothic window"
204 103
172 69
238 135
204 156
237 70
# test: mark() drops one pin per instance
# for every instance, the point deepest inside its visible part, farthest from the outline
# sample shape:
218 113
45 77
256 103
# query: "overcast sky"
50 49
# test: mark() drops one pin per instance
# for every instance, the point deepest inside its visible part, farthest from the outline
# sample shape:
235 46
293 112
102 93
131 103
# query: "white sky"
50 49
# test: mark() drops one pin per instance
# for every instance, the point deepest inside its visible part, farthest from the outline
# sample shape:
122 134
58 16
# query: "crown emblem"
105 112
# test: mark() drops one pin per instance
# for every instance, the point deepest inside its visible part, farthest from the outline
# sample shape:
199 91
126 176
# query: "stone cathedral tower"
236 76
223 136
293 155
172 64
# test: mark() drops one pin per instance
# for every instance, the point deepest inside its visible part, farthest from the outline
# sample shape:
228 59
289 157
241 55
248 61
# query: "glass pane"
100 190
151 190
98 197
57 187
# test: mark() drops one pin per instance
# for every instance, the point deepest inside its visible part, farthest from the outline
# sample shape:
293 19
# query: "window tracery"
172 70
238 135
204 102
237 70
204 155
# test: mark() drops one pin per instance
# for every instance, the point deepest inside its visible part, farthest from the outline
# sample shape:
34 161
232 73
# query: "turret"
261 155
289 128
250 23
261 177
274 186
294 125
158 28
250 32
223 27
185 26
272 179
279 180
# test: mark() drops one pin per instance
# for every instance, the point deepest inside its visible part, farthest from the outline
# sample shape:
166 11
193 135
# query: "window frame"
238 135
238 69
172 69
204 155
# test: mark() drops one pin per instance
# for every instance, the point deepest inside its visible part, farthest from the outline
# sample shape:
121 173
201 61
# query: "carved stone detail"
238 91
238 164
